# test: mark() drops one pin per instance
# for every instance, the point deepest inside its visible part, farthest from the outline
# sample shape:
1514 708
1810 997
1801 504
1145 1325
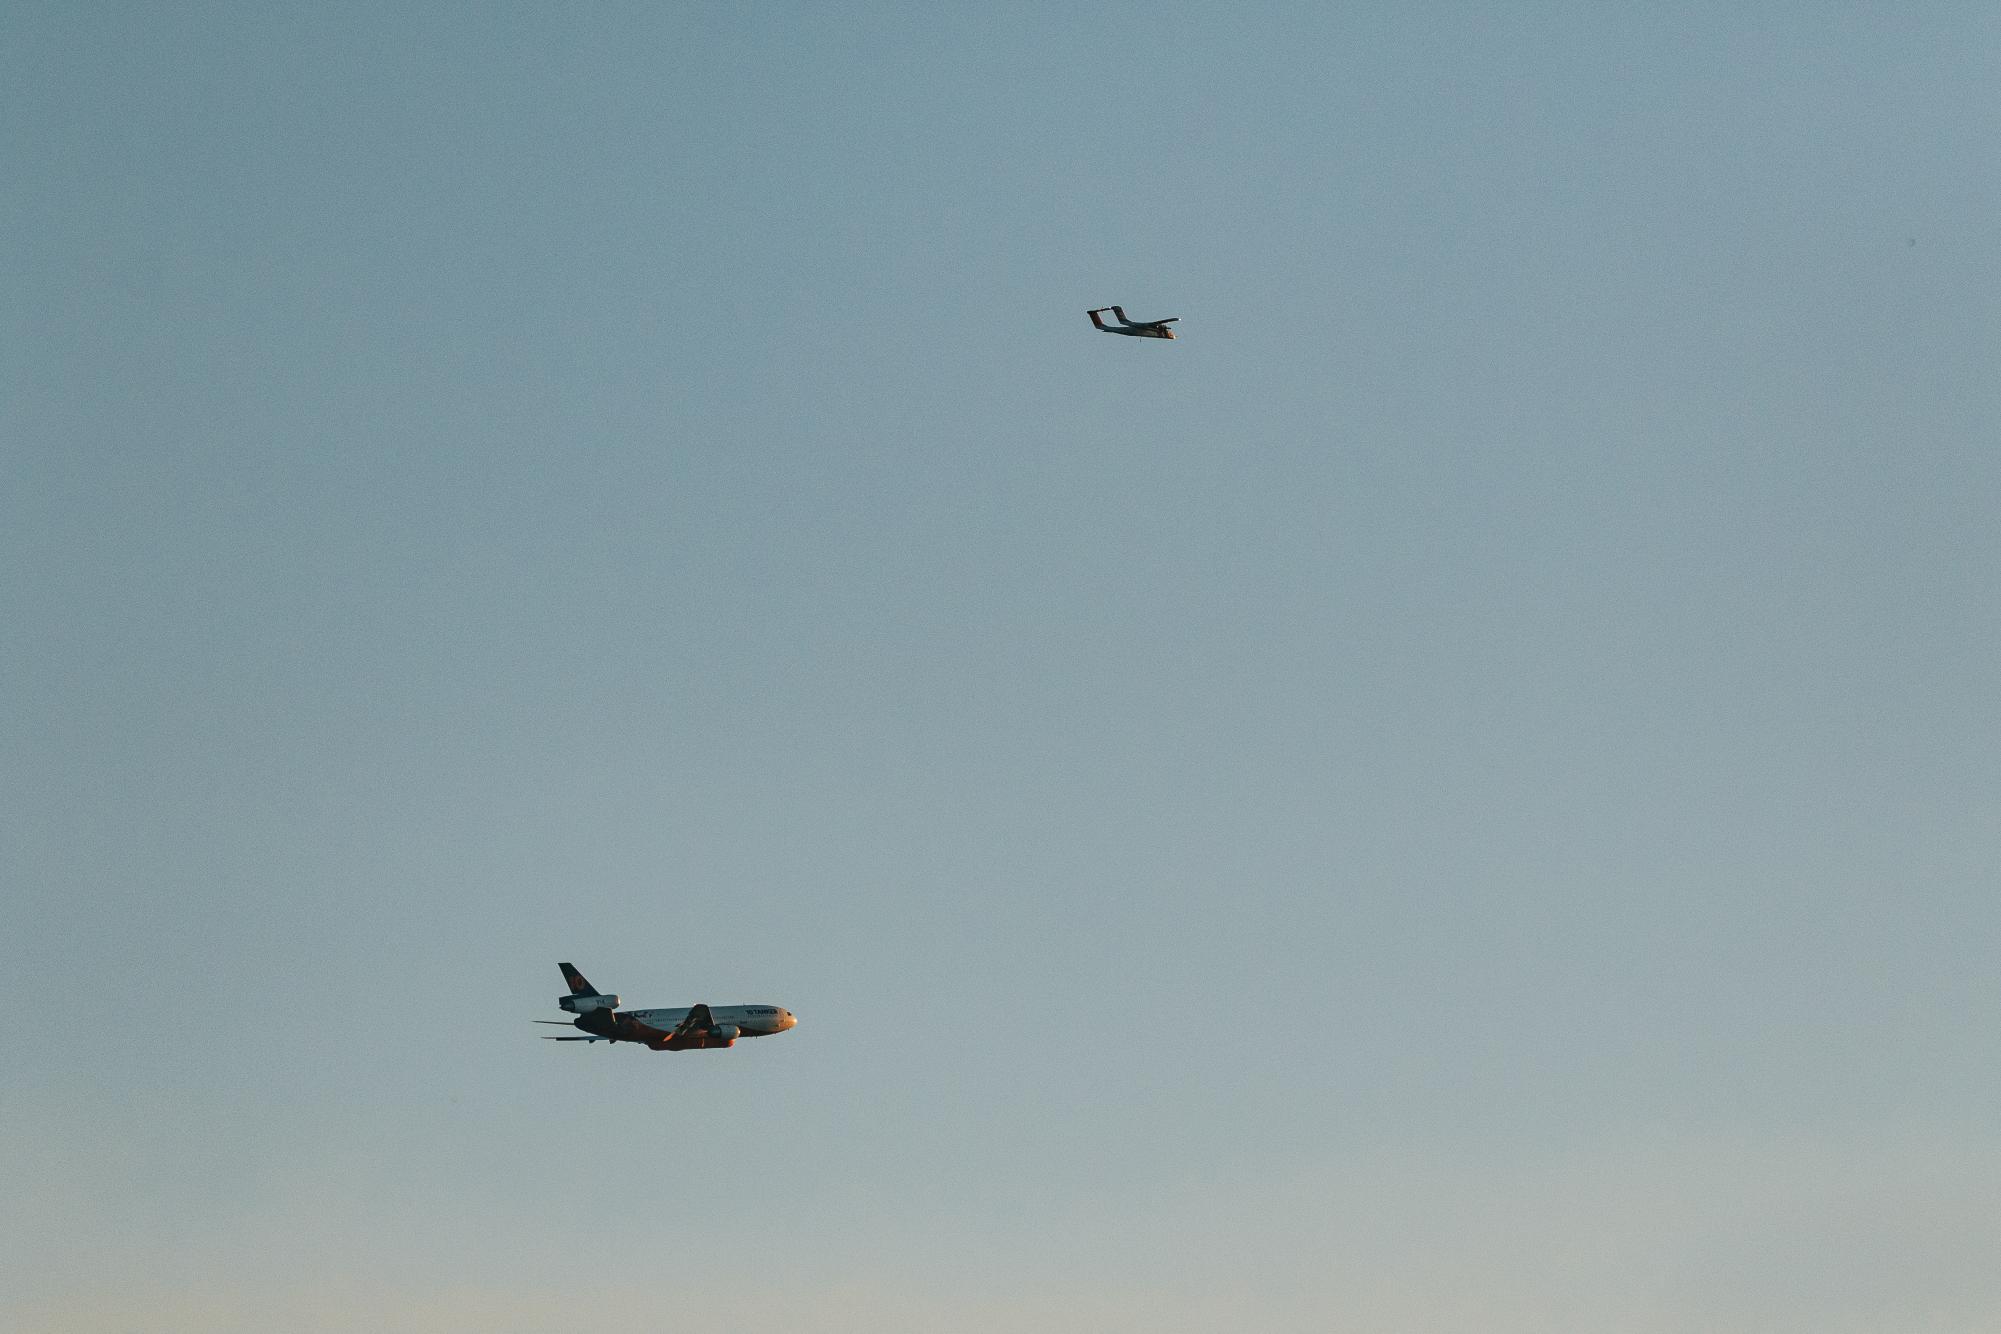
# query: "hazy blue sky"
1464 794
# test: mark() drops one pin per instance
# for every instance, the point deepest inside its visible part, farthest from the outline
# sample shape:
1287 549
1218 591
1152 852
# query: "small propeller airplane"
1131 329
693 1029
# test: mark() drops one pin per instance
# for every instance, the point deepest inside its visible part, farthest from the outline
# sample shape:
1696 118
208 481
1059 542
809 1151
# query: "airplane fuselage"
1130 328
694 1028
750 1021
657 1028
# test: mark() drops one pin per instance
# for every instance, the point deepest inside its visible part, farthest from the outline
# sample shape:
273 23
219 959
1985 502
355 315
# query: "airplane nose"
791 1019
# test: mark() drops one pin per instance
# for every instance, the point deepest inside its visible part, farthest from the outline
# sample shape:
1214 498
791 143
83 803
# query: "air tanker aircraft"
601 1020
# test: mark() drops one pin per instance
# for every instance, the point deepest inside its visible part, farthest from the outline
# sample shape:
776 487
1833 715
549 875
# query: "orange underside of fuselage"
662 1042
624 1028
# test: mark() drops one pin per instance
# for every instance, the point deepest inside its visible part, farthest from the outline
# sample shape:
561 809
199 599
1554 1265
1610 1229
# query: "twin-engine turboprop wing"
699 1026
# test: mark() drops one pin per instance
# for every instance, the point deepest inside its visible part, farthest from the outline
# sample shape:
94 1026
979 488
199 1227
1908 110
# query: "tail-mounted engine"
585 1004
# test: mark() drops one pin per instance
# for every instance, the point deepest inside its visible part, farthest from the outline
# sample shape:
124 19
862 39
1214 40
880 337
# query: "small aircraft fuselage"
1132 328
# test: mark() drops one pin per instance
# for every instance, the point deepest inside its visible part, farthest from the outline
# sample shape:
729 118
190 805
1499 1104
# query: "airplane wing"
699 1020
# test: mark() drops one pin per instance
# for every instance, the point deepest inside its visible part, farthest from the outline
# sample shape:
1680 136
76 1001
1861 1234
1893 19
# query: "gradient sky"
1464 794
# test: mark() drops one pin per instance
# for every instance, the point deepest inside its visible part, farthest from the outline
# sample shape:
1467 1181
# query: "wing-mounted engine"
698 1032
585 1004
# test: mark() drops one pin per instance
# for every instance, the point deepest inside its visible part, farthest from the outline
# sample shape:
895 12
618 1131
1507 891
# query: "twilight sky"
1463 794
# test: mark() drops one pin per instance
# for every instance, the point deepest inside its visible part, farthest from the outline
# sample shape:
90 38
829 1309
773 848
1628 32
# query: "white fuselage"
752 1021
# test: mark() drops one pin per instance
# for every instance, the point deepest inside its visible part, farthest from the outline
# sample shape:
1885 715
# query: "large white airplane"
695 1028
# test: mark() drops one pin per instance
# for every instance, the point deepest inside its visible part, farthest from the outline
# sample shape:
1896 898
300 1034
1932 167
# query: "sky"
1462 794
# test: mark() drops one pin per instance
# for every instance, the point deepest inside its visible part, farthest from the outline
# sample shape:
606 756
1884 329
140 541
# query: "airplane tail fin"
1121 314
579 986
1095 313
